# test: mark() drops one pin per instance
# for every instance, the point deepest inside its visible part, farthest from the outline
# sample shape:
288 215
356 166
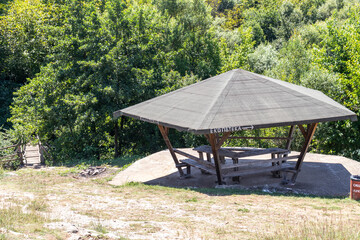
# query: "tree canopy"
67 65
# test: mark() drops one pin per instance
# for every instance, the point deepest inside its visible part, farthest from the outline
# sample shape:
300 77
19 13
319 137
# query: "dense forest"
67 65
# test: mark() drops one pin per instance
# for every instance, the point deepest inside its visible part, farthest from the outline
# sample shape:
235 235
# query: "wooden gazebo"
234 101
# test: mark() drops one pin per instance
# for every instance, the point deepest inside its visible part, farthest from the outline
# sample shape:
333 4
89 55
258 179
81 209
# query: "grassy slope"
35 202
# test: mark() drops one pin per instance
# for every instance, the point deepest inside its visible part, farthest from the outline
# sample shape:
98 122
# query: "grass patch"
119 162
244 210
73 170
38 205
194 199
98 227
321 229
13 218
2 174
36 181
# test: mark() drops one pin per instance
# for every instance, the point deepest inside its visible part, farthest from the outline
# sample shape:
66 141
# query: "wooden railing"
43 151
17 154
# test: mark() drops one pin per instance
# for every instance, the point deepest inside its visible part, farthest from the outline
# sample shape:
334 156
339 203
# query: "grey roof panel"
238 99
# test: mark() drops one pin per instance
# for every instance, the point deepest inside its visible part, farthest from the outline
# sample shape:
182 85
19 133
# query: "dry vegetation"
53 203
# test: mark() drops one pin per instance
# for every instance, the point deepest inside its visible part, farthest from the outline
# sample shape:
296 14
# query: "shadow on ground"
316 179
321 175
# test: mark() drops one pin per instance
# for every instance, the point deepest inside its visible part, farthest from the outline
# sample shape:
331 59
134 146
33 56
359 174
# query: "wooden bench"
203 166
257 162
254 171
236 153
278 157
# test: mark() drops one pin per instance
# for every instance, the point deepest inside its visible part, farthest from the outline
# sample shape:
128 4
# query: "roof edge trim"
352 118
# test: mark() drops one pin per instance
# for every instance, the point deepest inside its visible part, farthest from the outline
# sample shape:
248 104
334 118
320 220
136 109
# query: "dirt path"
322 175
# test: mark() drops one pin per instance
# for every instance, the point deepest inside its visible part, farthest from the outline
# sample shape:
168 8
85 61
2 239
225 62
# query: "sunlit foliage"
69 64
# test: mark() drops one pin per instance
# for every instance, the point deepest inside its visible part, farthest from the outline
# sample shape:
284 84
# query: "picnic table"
235 161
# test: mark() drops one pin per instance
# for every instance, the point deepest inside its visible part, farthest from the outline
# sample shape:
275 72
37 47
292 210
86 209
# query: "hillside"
56 203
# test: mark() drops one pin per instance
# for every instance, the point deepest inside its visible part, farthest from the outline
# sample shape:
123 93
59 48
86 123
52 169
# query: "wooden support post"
208 157
235 161
302 129
20 154
221 140
290 138
116 139
309 134
212 141
164 132
41 153
24 155
201 155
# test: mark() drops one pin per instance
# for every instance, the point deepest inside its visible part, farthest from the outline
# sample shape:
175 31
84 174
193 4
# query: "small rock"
92 171
73 229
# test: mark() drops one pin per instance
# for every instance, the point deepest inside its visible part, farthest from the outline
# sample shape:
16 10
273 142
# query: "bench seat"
202 165
223 152
253 171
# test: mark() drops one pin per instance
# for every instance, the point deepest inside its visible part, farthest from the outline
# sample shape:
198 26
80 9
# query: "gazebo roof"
238 100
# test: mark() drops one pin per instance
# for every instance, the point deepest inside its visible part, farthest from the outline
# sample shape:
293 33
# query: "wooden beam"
212 141
290 137
186 154
200 165
20 154
206 163
164 132
9 160
217 136
8 147
270 138
207 137
302 129
7 156
310 133
221 141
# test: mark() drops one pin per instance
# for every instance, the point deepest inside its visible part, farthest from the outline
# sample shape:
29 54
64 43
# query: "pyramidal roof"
238 100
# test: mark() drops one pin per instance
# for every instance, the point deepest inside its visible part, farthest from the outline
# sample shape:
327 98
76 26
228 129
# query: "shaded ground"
321 175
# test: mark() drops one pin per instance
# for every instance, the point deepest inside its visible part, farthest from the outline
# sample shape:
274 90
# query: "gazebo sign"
231 129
